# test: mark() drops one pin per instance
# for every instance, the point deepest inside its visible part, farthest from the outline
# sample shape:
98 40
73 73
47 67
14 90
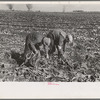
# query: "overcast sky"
55 7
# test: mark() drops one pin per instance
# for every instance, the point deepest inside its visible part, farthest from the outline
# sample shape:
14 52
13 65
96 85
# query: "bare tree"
10 6
29 6
64 8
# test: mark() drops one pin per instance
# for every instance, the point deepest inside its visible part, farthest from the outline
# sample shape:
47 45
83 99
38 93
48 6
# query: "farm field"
83 57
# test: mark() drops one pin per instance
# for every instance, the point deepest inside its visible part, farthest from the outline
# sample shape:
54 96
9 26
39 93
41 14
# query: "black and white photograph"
50 42
49 49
